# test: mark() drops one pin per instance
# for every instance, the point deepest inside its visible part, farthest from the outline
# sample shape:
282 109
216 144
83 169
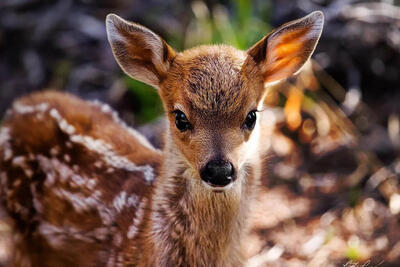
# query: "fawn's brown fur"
86 190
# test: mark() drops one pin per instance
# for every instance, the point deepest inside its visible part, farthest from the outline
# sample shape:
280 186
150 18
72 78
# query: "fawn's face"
213 94
212 108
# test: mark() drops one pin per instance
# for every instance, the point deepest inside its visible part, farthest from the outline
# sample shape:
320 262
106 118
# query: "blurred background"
332 197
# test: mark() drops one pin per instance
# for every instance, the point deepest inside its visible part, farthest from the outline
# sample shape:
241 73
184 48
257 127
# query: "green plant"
241 27
240 24
150 103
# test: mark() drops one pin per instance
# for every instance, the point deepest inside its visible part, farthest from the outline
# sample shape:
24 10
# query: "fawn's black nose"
218 173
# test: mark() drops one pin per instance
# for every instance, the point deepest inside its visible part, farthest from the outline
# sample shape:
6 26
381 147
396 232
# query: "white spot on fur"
75 168
20 162
111 158
20 108
57 171
117 239
67 158
133 228
54 151
122 201
8 154
102 148
101 233
108 110
57 236
17 207
62 123
39 116
17 183
79 201
5 137
98 164
53 167
28 173
98 146
120 260
111 259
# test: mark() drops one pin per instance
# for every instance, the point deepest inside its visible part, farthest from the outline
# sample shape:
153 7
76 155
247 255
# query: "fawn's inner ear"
141 54
284 51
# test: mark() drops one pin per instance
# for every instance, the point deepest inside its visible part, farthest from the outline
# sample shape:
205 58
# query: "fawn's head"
212 94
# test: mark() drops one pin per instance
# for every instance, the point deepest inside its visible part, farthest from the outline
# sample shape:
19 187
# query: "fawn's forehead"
213 79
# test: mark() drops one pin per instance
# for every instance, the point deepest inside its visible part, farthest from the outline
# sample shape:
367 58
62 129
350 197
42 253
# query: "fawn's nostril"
218 173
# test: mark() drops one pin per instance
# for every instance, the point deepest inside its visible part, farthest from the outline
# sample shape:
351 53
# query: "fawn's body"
85 190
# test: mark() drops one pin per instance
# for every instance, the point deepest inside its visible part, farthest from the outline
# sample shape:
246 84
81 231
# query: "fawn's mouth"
218 188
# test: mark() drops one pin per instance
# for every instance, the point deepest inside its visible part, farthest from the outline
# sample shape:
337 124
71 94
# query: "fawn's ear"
141 54
285 50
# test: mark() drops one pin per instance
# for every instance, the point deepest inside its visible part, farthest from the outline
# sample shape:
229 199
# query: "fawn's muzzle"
218 173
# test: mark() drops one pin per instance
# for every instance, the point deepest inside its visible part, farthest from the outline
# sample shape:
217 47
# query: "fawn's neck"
191 224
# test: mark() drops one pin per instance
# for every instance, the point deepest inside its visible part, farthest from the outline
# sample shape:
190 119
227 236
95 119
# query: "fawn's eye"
250 121
181 121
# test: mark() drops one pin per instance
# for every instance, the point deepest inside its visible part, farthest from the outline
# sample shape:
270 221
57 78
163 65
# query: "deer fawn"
86 190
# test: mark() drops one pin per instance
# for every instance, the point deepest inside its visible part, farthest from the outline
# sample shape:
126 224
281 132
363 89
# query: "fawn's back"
75 179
